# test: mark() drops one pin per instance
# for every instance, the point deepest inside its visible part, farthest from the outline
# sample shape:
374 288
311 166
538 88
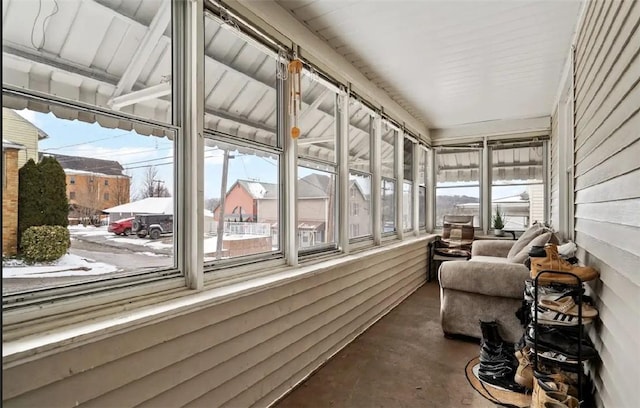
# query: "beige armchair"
489 286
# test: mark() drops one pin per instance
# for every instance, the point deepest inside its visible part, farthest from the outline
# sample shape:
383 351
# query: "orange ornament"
295 132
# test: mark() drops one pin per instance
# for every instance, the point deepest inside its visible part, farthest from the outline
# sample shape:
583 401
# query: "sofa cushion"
523 242
540 240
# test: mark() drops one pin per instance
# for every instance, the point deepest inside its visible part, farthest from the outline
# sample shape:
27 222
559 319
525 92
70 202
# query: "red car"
121 227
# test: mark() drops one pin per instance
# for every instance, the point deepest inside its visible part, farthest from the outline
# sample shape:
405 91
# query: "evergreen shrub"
45 243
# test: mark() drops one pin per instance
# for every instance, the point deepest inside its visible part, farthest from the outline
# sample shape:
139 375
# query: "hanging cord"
44 24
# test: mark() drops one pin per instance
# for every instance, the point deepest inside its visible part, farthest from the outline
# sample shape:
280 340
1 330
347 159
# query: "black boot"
497 359
490 333
494 350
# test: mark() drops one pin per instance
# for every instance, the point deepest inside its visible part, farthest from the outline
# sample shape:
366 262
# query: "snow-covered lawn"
68 265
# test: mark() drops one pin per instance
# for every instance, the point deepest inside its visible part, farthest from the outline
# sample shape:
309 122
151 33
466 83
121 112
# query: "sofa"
489 286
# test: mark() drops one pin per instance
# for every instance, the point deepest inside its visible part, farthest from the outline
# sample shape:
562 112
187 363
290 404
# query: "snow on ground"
151 254
88 231
68 265
210 245
79 230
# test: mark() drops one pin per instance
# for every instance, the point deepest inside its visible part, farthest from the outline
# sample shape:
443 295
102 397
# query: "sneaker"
558 341
550 292
524 372
554 318
554 357
567 306
554 262
567 250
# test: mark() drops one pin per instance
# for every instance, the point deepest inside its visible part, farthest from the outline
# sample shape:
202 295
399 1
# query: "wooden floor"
402 361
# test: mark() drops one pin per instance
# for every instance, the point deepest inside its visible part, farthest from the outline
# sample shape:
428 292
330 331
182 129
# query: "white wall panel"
607 193
243 352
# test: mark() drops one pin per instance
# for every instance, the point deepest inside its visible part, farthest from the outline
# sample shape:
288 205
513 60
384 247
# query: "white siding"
607 148
19 130
244 352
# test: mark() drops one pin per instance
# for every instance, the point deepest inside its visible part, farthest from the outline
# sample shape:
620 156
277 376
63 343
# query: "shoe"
567 250
567 402
551 291
553 262
554 357
567 306
564 342
551 317
494 350
500 376
491 354
524 372
546 390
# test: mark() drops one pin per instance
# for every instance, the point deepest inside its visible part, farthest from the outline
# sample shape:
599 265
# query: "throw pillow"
457 234
523 242
540 240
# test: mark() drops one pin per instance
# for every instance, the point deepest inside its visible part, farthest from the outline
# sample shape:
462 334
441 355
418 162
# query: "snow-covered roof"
150 205
8 144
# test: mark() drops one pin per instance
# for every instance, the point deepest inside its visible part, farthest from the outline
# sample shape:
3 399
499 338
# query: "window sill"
111 320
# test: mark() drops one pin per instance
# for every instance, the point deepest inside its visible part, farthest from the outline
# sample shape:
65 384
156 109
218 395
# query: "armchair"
489 286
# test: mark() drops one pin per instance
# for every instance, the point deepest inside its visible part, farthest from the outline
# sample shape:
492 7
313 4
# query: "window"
106 182
242 152
407 206
316 206
107 49
517 184
388 200
360 136
316 186
136 154
422 189
458 184
388 182
407 188
242 201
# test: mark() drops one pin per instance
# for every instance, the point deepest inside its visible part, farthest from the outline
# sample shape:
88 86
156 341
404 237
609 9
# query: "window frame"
445 149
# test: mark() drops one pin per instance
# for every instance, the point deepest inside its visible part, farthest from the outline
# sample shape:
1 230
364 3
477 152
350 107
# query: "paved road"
125 257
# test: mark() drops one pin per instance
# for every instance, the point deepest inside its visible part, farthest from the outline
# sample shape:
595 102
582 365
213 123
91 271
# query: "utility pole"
223 193
157 193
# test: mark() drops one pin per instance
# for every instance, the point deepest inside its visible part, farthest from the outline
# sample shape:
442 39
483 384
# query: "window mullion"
190 117
414 191
376 180
343 171
485 188
399 176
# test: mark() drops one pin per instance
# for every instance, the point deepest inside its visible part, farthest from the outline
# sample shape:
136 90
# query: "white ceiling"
451 63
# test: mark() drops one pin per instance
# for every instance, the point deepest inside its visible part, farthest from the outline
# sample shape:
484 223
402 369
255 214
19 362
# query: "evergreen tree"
42 195
55 205
29 196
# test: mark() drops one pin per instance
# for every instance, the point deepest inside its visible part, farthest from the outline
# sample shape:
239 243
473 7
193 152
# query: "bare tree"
152 186
120 189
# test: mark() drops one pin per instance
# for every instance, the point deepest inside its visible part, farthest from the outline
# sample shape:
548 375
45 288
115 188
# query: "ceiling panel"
452 62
